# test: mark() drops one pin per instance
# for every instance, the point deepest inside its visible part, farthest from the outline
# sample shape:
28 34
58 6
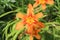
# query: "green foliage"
8 10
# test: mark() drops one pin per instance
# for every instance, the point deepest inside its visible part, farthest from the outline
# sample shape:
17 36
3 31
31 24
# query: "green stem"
56 7
18 32
53 34
37 9
58 2
52 23
11 34
57 35
4 14
9 25
6 34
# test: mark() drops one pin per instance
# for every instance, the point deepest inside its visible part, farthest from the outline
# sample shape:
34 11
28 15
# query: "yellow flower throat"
29 20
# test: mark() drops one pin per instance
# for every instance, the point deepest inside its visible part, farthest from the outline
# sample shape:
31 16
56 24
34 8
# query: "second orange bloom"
43 3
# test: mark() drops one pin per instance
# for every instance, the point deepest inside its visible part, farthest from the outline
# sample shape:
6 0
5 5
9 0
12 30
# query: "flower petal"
29 29
43 6
36 3
30 10
41 24
19 15
38 30
39 15
31 37
19 25
42 1
37 36
51 2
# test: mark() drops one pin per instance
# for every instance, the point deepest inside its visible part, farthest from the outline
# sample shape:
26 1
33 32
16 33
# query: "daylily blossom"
43 3
30 20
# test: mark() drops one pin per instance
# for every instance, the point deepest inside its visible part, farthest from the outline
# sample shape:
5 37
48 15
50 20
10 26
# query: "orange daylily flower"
43 3
31 21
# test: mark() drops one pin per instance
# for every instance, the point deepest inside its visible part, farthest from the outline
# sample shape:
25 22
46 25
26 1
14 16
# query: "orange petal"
39 15
19 15
31 37
43 6
30 29
19 25
41 24
36 4
37 36
51 2
42 1
30 10
38 30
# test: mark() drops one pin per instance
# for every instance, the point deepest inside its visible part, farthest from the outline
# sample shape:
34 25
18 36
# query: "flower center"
29 20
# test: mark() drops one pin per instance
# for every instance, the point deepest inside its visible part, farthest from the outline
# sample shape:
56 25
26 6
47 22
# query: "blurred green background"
9 8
